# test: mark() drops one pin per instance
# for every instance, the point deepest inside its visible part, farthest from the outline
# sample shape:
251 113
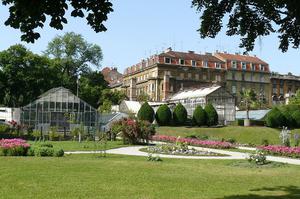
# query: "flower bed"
14 147
281 150
194 142
178 149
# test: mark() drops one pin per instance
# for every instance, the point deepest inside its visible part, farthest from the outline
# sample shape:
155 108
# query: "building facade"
167 73
283 87
163 75
246 72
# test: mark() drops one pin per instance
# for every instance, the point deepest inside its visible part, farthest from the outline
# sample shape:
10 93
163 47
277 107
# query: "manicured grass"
88 176
244 135
82 146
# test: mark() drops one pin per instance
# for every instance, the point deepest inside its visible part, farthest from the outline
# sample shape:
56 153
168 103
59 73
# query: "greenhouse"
61 109
221 99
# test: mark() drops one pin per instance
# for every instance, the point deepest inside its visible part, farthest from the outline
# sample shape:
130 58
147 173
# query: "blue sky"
139 28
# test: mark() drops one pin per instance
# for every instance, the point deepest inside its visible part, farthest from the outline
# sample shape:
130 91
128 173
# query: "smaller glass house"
59 108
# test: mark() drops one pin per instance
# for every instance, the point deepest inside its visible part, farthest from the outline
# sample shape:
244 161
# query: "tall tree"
27 16
91 85
251 19
73 55
24 76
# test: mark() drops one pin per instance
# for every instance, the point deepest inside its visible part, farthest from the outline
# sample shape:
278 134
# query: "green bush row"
201 117
287 115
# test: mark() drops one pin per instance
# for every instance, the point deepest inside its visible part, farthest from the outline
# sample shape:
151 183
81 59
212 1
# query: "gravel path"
135 151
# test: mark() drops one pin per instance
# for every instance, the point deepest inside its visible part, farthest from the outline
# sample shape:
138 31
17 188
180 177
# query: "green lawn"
88 176
244 135
82 146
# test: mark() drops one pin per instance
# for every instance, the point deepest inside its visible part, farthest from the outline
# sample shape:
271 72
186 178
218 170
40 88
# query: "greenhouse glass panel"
59 108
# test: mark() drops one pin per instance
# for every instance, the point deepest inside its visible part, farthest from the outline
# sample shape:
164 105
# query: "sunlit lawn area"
88 176
82 146
244 135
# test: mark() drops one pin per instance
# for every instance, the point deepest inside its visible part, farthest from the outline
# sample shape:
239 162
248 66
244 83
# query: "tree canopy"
251 19
30 15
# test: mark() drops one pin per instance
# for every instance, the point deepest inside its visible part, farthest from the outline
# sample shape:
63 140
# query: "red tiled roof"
191 56
242 58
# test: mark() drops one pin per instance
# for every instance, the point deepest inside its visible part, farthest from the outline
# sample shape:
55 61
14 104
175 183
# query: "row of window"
244 66
252 77
193 63
234 89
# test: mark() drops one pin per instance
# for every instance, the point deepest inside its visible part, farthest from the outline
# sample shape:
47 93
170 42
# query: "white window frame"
261 67
193 61
244 64
169 59
234 65
181 60
253 66
218 65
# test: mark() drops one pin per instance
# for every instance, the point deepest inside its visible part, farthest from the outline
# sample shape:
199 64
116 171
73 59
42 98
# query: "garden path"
135 151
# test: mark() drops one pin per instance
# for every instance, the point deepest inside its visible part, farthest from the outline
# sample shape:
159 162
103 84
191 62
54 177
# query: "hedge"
212 115
146 113
163 115
179 115
199 116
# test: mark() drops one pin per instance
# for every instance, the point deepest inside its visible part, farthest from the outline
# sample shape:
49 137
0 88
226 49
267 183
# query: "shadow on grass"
280 192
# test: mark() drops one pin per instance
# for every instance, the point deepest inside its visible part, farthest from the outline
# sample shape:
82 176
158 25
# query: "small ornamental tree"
275 118
179 115
212 115
146 113
199 116
163 115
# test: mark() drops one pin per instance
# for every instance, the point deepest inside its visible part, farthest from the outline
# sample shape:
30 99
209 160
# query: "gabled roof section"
190 56
242 58
194 93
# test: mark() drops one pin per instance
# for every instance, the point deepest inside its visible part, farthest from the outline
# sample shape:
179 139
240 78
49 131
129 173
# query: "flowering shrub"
258 157
281 150
193 141
133 131
14 147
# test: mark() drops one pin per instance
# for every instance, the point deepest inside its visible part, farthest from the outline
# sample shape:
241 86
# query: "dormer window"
218 65
233 64
168 60
261 67
253 66
181 61
205 64
193 63
244 66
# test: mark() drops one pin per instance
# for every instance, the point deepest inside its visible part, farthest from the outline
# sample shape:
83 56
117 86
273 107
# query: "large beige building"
165 74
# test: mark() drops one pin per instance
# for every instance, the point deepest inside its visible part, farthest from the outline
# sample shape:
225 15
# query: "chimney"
132 89
168 50
166 84
191 51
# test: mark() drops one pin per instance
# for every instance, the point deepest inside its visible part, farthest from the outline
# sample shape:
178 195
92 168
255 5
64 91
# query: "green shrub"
289 120
275 118
179 115
146 112
4 129
59 153
199 116
231 140
296 117
212 115
43 151
163 115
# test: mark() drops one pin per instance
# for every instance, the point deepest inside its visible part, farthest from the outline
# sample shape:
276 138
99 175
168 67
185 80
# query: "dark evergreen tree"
179 115
212 115
199 116
146 113
163 115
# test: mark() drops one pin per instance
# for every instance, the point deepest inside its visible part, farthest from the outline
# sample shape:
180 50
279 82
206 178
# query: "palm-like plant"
248 100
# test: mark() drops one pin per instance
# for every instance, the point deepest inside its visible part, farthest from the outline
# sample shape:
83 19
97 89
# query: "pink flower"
195 142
